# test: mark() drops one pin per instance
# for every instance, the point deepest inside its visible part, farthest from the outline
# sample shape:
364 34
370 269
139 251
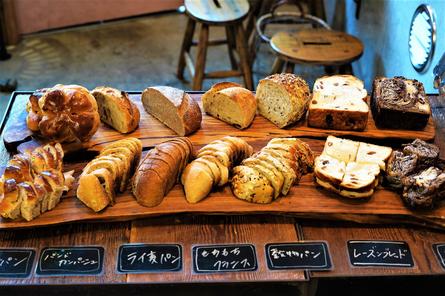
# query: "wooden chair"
316 45
229 14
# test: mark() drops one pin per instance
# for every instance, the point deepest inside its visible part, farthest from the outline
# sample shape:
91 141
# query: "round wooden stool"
229 14
315 47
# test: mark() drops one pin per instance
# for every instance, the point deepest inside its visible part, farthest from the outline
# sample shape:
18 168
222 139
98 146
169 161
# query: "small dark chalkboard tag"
61 261
16 263
138 258
439 250
224 258
380 253
299 255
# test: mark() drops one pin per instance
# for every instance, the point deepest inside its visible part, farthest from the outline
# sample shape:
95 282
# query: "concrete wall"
383 27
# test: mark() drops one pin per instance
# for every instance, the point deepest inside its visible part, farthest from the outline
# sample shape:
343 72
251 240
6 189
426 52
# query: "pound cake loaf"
173 107
230 103
399 103
338 102
282 98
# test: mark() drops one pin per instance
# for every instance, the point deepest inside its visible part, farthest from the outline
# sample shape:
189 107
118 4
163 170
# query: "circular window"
422 37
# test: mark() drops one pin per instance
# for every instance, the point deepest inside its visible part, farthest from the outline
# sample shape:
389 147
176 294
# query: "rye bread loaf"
338 102
159 171
173 107
230 103
282 98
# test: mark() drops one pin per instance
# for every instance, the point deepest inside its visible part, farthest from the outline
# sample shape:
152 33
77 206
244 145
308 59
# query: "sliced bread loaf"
282 98
173 107
338 102
230 103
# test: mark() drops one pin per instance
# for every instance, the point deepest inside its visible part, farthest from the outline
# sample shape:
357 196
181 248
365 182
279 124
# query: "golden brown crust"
191 115
160 170
65 113
125 117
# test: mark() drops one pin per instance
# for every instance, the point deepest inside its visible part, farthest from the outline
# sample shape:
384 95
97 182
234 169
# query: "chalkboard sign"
439 250
16 263
224 258
70 261
299 255
136 258
380 253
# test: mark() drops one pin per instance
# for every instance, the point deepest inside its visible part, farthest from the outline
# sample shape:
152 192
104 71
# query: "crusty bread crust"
124 117
214 104
183 114
298 98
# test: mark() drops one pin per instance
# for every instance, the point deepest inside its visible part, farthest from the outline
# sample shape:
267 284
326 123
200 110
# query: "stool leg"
290 67
230 46
201 57
277 66
346 69
186 45
241 44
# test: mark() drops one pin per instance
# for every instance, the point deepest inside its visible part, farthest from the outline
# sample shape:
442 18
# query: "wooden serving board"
304 200
152 132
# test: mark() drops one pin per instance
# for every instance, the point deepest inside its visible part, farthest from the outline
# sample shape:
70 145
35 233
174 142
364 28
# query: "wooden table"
257 230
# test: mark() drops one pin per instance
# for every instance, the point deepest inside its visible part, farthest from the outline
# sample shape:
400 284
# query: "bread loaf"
174 108
116 109
160 170
64 113
230 103
212 166
338 102
108 173
399 103
282 98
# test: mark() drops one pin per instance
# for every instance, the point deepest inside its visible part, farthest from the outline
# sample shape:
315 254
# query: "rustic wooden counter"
258 230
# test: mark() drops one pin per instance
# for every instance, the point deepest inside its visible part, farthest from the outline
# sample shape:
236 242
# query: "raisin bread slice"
338 102
282 98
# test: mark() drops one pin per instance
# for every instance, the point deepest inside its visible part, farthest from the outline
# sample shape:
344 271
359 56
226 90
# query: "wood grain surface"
317 46
109 235
420 242
189 231
217 12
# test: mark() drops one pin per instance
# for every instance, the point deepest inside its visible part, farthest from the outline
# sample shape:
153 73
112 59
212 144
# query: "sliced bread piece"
248 184
329 169
342 149
230 103
282 98
174 108
369 153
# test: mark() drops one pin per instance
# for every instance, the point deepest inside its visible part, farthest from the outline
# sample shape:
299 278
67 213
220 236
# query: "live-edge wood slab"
304 200
152 132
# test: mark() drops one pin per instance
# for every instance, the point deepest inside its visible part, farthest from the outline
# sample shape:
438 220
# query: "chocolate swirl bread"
399 103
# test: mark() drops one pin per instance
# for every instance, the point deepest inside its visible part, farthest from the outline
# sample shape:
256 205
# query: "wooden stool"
315 47
229 14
